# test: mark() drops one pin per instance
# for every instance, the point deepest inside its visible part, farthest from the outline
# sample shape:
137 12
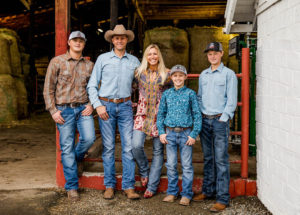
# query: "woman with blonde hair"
153 79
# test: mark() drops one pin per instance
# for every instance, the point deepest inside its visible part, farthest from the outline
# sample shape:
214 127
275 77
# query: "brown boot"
199 197
73 195
218 207
185 201
109 193
131 194
169 198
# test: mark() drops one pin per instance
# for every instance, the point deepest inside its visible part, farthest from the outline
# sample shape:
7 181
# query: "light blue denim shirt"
217 93
114 74
179 108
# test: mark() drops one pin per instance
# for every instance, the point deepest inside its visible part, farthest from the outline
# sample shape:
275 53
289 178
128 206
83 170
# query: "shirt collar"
68 57
179 90
113 54
219 69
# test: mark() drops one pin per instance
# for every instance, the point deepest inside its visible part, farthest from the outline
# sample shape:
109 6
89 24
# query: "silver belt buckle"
177 130
115 100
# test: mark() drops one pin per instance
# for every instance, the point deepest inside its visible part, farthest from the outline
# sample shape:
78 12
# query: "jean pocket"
187 132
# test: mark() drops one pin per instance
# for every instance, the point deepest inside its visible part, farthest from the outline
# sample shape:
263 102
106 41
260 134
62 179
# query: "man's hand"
101 111
88 110
163 138
58 118
191 141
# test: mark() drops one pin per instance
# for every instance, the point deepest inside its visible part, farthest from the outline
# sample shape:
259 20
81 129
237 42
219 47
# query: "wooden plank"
181 2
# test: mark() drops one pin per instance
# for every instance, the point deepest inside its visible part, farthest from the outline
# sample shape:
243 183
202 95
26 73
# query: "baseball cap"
214 46
77 34
178 68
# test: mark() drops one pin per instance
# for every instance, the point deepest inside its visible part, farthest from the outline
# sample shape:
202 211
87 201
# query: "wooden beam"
26 4
181 2
137 8
62 26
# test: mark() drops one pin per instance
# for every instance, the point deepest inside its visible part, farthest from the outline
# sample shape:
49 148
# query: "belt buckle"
115 100
177 130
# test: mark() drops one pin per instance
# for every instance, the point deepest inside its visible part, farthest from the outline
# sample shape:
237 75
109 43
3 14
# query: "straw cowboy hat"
119 30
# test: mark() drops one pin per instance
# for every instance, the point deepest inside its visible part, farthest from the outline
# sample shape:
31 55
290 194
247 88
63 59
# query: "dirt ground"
27 179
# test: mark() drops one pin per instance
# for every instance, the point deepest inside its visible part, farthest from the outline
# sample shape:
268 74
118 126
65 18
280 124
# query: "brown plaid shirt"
66 81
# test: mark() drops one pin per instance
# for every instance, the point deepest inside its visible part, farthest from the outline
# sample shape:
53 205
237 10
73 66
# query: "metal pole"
245 112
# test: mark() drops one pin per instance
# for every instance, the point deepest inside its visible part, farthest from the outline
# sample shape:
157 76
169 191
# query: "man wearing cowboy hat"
115 71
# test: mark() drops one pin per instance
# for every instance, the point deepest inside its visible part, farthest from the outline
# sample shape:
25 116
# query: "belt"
117 101
72 105
177 129
211 116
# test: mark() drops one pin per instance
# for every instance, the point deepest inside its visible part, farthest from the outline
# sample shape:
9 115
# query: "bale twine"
22 100
16 65
8 101
5 56
173 43
199 38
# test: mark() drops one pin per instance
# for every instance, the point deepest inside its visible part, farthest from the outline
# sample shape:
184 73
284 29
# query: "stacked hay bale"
14 103
173 43
199 37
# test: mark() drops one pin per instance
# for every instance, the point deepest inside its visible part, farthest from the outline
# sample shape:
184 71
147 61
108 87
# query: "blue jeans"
138 140
121 115
178 140
214 140
71 153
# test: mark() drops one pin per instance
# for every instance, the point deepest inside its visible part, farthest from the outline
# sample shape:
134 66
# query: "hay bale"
5 56
8 101
14 50
173 43
22 100
199 37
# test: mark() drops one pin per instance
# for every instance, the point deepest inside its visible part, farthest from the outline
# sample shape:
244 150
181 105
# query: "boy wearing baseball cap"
217 96
179 123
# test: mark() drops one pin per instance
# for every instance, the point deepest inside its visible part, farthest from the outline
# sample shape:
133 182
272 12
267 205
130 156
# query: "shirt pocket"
84 78
220 86
64 77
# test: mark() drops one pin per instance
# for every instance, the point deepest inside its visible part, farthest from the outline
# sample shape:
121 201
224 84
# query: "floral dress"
150 92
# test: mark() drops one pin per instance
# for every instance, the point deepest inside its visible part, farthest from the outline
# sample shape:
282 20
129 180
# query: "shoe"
199 197
79 169
73 195
184 201
131 194
148 194
169 198
109 193
144 181
218 207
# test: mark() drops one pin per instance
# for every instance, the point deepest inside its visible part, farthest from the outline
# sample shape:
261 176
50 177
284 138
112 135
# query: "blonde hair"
161 68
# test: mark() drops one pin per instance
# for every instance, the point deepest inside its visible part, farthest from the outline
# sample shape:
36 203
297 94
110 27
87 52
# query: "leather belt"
177 129
211 116
117 101
72 105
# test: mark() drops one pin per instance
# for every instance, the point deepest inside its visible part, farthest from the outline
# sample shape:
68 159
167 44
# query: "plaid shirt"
66 81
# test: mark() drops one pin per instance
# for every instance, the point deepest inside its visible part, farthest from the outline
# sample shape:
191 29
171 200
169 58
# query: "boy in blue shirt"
179 123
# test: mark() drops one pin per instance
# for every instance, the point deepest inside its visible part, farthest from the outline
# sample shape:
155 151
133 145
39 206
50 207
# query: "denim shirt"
217 93
114 74
179 108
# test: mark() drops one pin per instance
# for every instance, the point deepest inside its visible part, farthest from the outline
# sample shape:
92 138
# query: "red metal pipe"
245 111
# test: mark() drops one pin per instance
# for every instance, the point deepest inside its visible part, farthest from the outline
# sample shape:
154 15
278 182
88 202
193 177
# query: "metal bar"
245 112
191 76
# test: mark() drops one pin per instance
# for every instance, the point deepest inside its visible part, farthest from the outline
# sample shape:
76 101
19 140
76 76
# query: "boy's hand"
191 141
163 138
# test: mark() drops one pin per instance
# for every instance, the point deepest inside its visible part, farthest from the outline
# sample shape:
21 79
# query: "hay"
199 37
14 50
8 101
5 56
173 43
22 100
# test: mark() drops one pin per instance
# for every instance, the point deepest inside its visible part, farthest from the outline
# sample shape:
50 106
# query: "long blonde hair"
162 70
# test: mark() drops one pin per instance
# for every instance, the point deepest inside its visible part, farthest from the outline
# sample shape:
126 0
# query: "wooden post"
113 13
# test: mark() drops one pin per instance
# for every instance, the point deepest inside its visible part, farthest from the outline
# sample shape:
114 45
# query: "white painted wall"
278 107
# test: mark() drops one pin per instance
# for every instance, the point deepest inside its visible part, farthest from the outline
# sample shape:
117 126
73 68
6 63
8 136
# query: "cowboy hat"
119 30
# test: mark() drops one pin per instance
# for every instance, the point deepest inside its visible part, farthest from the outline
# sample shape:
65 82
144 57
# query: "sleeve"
92 87
231 89
199 94
162 112
197 118
50 87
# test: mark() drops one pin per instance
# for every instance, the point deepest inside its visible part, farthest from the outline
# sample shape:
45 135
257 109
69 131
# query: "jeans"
214 140
71 153
121 115
138 140
178 140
